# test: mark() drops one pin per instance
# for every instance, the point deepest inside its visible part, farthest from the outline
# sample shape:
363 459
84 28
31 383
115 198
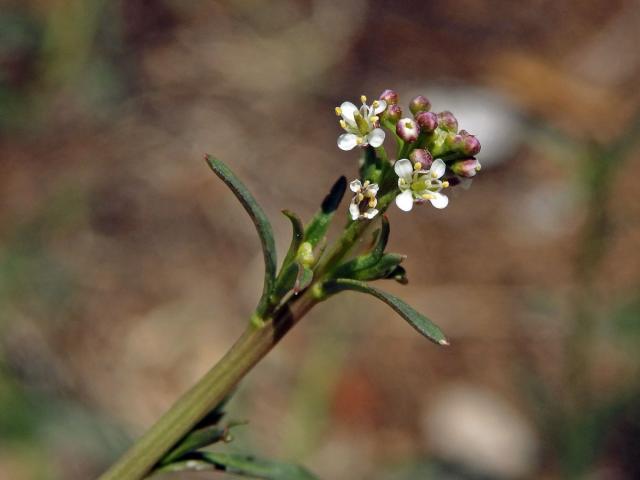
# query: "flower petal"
404 169
347 141
347 110
376 137
438 168
372 212
380 108
355 186
354 211
439 200
373 188
404 201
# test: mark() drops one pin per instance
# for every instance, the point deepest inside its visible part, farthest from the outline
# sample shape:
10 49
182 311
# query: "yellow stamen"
338 111
428 196
365 184
478 168
343 124
375 104
445 184
374 118
359 197
417 166
363 99
372 202
434 174
359 140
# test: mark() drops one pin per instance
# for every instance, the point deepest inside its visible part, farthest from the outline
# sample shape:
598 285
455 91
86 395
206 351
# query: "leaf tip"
331 201
444 342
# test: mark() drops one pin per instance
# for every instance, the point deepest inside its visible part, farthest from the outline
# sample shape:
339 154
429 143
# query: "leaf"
243 465
259 219
317 227
385 266
193 441
296 239
286 281
418 321
370 259
305 277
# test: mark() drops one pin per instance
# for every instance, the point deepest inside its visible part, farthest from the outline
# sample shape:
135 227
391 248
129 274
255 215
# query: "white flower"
363 204
361 124
417 185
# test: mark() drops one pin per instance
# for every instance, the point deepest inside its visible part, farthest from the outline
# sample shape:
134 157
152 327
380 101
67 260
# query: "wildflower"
407 129
361 125
418 185
363 204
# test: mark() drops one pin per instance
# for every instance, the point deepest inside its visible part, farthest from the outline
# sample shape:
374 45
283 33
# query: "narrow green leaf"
418 321
196 439
382 269
317 227
259 219
305 276
296 239
249 466
286 281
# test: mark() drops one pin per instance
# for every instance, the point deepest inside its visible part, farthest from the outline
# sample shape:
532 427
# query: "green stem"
210 390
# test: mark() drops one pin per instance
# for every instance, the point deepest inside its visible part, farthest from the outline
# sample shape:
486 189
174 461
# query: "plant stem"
210 390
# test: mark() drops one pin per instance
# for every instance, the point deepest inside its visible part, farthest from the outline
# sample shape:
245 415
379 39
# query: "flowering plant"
430 156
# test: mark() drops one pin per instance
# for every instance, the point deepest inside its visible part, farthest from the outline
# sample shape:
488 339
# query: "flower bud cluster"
433 153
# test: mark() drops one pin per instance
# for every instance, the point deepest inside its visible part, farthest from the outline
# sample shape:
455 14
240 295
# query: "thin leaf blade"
260 220
296 238
249 466
418 321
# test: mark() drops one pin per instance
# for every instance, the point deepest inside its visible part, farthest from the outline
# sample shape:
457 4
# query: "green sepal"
242 465
317 227
382 269
368 260
418 321
296 238
261 222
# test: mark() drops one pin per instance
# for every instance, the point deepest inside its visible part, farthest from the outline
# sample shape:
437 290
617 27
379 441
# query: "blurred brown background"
127 268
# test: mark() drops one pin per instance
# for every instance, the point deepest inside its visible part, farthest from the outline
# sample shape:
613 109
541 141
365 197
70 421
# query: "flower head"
363 204
361 125
418 185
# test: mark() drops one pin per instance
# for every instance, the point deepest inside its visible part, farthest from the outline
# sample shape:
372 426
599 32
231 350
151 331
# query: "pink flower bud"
466 168
392 114
421 156
419 104
471 145
407 129
428 121
389 96
447 121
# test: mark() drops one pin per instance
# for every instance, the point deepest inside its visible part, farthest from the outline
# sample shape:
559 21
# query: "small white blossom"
363 204
417 185
361 124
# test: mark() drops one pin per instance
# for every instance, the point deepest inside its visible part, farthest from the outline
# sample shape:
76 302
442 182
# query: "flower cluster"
432 153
